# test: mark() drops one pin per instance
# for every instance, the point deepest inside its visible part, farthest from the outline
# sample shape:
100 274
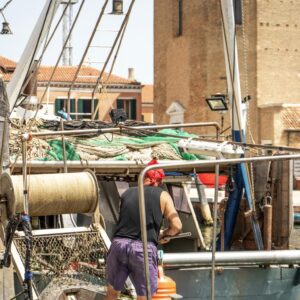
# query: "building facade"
116 92
147 103
189 64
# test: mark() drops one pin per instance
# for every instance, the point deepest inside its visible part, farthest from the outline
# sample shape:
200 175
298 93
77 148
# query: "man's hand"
163 240
163 237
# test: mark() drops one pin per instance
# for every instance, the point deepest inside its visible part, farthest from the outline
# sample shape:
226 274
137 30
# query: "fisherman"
125 256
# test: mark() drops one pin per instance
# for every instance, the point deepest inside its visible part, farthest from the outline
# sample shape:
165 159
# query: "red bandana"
155 175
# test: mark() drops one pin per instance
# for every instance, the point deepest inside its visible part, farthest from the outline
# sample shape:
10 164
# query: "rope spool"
51 194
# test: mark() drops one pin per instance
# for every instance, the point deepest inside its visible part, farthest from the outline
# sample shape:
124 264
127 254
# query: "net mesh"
65 260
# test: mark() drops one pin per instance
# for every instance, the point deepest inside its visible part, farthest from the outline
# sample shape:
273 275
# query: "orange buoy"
166 286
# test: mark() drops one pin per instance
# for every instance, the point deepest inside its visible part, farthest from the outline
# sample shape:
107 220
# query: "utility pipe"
233 258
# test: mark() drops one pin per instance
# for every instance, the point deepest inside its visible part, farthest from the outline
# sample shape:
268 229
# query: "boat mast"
238 122
26 63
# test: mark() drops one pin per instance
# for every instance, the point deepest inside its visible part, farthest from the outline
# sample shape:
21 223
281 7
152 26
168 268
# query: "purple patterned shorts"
126 258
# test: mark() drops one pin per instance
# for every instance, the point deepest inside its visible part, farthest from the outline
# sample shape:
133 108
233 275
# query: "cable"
118 39
57 62
86 50
5 5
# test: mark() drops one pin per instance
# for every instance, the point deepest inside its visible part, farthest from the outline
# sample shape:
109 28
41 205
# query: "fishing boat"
72 206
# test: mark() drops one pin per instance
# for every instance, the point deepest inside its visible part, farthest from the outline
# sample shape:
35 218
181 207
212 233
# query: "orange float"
166 286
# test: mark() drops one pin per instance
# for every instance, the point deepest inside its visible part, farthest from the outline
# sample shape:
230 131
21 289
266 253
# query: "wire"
5 5
124 24
86 50
118 39
57 62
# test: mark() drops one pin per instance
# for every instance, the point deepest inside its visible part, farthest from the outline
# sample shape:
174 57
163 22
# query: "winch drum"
51 194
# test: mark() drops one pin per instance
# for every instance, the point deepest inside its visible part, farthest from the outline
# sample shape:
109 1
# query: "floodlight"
217 103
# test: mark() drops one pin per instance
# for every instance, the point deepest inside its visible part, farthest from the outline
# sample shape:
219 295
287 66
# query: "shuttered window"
129 106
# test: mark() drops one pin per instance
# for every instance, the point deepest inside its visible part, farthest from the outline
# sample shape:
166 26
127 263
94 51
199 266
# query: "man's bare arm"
170 214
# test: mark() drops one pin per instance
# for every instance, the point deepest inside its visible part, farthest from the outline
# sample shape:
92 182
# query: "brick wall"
190 67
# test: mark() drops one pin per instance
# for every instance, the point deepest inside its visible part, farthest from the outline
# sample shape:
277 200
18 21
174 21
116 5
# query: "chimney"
131 74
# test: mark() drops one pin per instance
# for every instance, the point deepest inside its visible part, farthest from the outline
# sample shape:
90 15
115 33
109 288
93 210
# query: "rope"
5 5
122 30
86 50
114 44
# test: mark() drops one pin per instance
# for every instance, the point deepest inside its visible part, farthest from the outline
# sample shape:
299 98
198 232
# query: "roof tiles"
65 74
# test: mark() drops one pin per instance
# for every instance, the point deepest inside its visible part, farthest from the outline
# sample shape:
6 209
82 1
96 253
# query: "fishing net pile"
64 260
128 146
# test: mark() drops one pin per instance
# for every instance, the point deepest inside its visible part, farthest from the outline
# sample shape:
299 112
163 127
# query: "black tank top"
129 220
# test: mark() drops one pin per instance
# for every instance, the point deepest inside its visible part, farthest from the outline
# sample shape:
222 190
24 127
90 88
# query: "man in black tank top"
125 256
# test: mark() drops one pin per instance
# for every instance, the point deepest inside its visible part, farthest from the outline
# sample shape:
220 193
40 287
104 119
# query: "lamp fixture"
217 102
5 28
5 25
117 7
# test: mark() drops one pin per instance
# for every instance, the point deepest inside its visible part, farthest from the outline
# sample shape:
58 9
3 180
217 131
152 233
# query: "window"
177 18
179 32
238 12
86 108
80 109
129 106
61 103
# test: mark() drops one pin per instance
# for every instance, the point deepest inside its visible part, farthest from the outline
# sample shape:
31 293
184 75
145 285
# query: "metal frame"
194 165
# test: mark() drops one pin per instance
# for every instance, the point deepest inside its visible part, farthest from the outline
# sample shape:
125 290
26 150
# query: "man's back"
129 220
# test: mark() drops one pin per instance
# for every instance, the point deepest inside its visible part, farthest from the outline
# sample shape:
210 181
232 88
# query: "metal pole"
2 145
118 129
169 165
202 242
217 169
144 230
63 146
25 190
276 257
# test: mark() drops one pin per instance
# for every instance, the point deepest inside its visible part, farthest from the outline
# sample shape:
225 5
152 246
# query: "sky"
136 50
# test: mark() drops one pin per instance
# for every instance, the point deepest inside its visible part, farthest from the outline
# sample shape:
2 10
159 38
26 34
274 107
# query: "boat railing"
194 167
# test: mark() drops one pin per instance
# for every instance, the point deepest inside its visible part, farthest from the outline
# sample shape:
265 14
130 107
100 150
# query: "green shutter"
72 106
120 104
58 105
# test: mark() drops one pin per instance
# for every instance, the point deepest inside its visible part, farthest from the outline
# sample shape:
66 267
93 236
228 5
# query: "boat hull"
239 283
